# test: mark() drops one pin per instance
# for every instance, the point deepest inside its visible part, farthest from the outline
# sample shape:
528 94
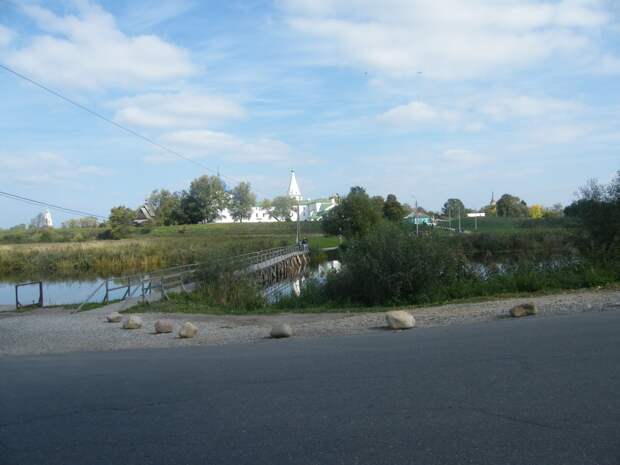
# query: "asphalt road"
531 391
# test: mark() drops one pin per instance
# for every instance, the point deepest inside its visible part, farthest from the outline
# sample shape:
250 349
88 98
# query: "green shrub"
389 265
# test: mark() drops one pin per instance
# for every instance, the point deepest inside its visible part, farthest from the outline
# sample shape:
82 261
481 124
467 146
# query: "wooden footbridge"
268 267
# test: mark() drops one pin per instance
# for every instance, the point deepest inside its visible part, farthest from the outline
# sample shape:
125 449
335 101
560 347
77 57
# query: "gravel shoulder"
57 330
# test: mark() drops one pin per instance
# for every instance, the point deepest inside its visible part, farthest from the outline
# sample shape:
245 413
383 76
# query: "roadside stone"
133 322
163 326
519 311
399 319
280 330
114 317
188 330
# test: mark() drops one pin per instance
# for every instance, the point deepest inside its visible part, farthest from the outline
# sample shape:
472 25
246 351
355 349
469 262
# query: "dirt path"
57 330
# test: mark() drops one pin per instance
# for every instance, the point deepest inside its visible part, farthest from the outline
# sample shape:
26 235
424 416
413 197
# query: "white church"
42 221
309 210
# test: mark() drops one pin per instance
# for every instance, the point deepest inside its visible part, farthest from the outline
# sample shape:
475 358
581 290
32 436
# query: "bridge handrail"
178 271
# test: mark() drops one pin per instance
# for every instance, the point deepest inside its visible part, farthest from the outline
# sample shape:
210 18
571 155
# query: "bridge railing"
165 280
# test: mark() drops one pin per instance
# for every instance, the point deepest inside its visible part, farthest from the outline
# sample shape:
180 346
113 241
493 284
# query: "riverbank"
57 330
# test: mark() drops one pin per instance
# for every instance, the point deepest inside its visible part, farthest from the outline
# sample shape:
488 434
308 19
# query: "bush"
389 266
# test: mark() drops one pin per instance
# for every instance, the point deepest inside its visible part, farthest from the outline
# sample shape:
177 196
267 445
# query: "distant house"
144 215
420 218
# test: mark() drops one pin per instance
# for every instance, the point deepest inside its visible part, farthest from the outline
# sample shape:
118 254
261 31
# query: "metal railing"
166 280
18 304
264 256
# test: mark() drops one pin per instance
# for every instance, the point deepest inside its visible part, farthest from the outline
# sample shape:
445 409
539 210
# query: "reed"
113 258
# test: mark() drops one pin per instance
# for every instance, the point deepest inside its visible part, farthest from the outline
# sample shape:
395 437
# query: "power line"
52 206
112 122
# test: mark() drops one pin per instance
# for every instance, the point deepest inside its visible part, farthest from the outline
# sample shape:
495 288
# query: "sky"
425 99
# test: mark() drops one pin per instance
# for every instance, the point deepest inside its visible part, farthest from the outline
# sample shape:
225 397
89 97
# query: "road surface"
539 390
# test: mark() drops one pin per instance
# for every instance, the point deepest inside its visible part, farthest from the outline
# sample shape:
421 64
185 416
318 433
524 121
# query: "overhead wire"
114 123
107 120
51 206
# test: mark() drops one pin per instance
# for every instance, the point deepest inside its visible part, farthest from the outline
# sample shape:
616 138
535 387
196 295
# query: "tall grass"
113 258
74 253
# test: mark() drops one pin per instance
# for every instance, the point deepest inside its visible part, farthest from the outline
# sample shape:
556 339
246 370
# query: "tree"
190 211
536 211
407 209
598 212
392 209
242 202
88 222
556 211
378 202
510 206
490 210
165 205
452 207
84 222
281 208
210 196
120 221
354 216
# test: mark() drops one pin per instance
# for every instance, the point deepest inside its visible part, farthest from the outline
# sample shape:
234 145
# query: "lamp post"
415 218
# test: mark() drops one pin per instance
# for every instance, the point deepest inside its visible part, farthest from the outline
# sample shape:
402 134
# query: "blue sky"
424 99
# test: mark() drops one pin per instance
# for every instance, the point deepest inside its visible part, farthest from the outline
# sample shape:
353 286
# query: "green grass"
186 304
499 225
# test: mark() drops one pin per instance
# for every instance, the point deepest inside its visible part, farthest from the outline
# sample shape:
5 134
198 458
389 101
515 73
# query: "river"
76 291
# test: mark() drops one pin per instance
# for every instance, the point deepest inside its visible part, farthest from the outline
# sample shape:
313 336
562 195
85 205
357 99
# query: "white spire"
293 188
47 219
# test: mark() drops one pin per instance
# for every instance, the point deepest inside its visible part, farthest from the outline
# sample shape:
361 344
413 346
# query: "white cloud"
181 109
609 65
47 168
471 116
203 144
6 36
88 51
145 15
523 106
561 133
418 113
447 39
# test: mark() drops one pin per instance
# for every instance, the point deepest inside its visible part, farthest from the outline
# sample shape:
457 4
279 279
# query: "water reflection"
295 285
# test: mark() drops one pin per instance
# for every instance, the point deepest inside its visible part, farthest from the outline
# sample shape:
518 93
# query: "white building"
42 220
309 210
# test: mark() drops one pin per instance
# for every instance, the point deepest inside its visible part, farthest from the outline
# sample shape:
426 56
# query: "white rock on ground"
133 322
523 310
188 330
399 319
163 326
281 330
114 317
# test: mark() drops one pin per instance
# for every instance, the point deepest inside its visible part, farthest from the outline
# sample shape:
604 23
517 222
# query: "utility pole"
298 220
459 218
416 218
